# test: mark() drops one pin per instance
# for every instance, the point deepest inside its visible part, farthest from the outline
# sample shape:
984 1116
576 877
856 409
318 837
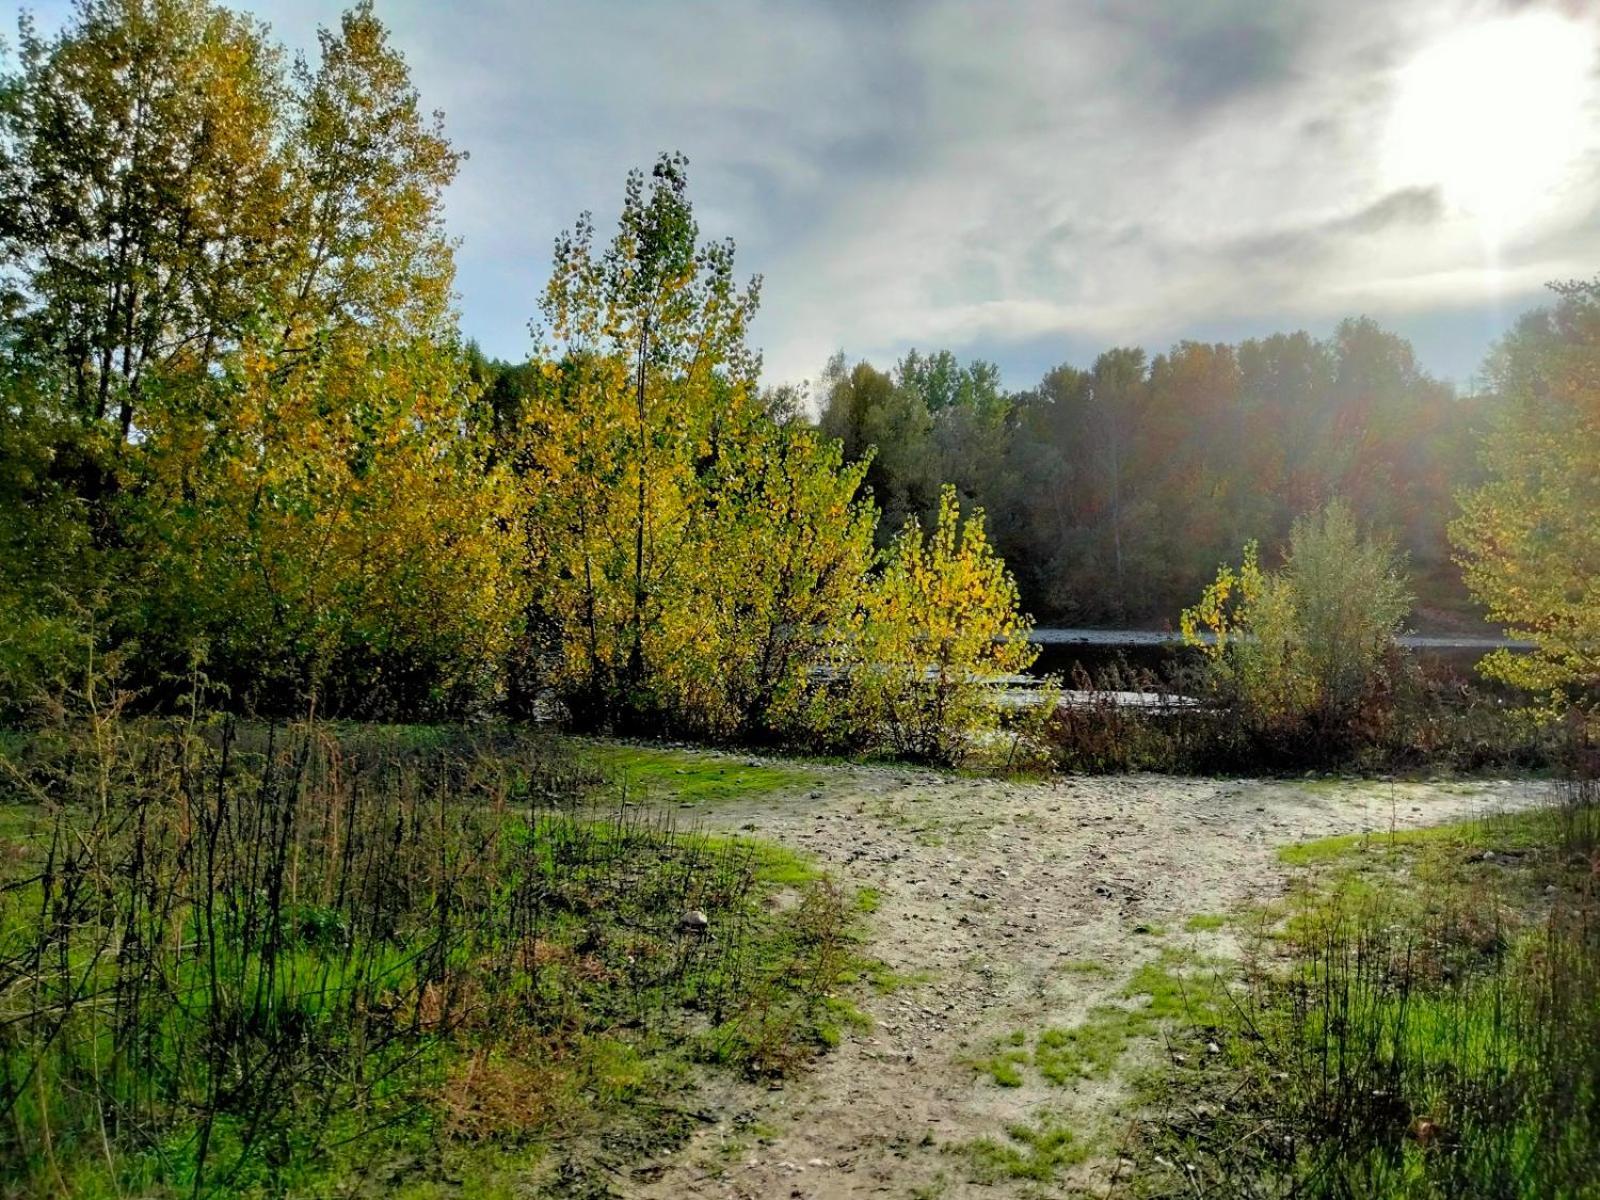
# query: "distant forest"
1114 491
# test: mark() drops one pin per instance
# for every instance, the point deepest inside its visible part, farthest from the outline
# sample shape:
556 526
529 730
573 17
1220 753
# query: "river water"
1062 650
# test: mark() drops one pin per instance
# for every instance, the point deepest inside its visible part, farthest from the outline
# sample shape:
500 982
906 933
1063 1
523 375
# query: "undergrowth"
1421 1018
1416 723
238 960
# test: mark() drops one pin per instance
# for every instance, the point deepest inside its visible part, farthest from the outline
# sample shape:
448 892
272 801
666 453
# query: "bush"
1417 721
1301 650
940 626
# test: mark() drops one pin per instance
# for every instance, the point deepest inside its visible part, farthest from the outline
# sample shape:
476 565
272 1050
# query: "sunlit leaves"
1306 642
1529 538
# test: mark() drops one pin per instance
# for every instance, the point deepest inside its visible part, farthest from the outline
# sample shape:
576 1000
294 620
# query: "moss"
690 776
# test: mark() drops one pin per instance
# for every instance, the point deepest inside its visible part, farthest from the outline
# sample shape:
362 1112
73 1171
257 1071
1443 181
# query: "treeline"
1113 491
246 454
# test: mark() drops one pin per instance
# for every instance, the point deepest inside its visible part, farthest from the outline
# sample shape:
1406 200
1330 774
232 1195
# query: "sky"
1031 182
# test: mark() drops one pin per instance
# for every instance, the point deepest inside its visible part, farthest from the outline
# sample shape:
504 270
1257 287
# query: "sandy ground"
993 895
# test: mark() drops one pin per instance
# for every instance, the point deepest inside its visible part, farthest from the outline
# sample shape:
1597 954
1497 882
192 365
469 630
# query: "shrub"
939 627
1302 649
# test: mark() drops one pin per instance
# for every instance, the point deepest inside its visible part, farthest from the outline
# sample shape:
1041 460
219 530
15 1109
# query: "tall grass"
1425 1027
233 961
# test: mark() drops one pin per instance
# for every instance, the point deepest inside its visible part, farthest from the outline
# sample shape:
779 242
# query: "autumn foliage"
246 451
700 565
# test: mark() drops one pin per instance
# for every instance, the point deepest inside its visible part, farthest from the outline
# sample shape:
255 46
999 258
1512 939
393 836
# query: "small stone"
694 921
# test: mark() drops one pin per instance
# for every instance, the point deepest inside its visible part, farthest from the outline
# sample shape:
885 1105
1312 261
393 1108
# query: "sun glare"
1495 116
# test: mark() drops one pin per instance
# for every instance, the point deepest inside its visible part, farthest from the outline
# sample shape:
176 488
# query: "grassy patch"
1206 922
1176 986
1422 1020
1085 966
690 776
387 962
1089 1049
1037 1152
884 980
1004 1066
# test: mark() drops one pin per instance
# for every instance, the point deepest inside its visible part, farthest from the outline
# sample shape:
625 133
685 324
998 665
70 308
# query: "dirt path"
994 898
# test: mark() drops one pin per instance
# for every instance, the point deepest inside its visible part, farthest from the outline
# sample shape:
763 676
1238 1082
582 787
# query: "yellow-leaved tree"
939 629
773 564
699 565
647 364
331 533
1528 539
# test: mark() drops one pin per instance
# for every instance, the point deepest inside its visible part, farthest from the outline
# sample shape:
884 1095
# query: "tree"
367 175
141 196
889 428
231 360
164 188
777 554
941 623
1528 539
647 369
701 563
329 535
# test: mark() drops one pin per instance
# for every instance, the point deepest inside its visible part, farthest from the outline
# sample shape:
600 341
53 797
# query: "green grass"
1085 966
1176 986
1089 1049
580 1013
1004 1066
1420 1020
1036 1152
884 980
1206 922
690 776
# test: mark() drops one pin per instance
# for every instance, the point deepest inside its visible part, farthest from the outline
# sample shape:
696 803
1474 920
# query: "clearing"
1008 921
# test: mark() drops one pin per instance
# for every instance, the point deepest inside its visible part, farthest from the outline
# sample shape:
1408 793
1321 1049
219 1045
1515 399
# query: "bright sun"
1495 116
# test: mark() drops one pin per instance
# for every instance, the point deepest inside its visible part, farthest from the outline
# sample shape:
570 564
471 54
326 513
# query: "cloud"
996 176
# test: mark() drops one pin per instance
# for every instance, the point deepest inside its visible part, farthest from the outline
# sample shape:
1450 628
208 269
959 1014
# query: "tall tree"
229 298
1529 537
647 364
141 194
369 168
889 427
